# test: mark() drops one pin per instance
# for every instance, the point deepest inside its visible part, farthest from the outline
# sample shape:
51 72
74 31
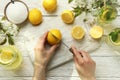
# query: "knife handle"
71 50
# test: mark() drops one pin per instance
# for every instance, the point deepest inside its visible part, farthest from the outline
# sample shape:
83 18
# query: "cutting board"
30 36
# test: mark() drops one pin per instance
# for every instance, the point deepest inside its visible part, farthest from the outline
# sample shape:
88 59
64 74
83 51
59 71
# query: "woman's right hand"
84 64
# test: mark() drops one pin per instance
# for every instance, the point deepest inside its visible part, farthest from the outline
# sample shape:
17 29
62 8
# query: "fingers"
43 39
77 55
52 50
76 62
85 55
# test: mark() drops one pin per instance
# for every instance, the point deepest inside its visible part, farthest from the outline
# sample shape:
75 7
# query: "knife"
70 49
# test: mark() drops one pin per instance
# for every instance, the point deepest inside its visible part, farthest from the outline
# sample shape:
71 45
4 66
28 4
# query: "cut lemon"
54 36
67 16
6 56
96 32
77 32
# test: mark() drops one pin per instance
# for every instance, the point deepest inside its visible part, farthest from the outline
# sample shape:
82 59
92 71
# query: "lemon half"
96 32
77 32
67 16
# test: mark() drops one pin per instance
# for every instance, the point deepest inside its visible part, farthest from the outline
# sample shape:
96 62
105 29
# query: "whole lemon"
54 36
35 16
50 5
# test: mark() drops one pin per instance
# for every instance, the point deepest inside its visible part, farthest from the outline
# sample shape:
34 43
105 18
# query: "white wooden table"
108 61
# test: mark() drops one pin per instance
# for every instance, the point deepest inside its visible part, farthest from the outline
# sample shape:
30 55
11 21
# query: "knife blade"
69 48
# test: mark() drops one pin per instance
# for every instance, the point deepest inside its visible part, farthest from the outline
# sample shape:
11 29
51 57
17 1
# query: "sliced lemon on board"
67 16
54 36
96 32
77 32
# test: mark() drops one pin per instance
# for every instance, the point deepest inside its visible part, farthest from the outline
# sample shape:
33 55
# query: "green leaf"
10 39
69 1
114 36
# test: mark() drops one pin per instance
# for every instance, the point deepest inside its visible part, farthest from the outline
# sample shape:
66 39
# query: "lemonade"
106 14
10 57
113 39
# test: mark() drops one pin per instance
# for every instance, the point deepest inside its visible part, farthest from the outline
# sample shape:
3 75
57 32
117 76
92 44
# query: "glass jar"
110 39
106 14
10 57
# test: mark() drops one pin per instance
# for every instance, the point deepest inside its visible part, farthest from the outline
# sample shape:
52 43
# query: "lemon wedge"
77 32
67 16
96 32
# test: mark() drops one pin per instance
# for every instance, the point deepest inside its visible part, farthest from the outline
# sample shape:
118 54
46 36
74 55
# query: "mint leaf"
69 1
114 36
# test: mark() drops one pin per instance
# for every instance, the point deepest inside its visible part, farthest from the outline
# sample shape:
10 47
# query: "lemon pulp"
78 32
96 32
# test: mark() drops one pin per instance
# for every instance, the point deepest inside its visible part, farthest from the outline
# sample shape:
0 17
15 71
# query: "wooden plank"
26 70
16 78
106 67
77 78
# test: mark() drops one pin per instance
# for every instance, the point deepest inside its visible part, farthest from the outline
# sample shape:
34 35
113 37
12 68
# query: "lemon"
54 36
50 5
96 32
35 16
6 55
67 16
77 32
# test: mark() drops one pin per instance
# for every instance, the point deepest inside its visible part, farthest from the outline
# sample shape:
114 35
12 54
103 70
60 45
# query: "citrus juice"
113 39
106 14
10 57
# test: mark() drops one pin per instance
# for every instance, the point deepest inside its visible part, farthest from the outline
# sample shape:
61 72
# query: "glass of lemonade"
107 14
10 57
113 39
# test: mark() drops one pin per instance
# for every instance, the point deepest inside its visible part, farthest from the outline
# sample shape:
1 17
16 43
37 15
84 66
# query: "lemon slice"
67 16
6 57
78 32
96 32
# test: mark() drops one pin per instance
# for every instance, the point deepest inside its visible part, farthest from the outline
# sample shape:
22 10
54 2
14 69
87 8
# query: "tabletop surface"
107 60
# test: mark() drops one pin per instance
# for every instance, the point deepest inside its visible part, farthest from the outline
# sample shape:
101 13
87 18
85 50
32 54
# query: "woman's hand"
42 57
84 64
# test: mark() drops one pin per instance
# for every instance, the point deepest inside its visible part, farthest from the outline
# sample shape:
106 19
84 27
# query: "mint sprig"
114 35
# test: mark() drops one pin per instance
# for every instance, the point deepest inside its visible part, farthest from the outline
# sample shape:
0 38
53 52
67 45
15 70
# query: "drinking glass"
10 57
